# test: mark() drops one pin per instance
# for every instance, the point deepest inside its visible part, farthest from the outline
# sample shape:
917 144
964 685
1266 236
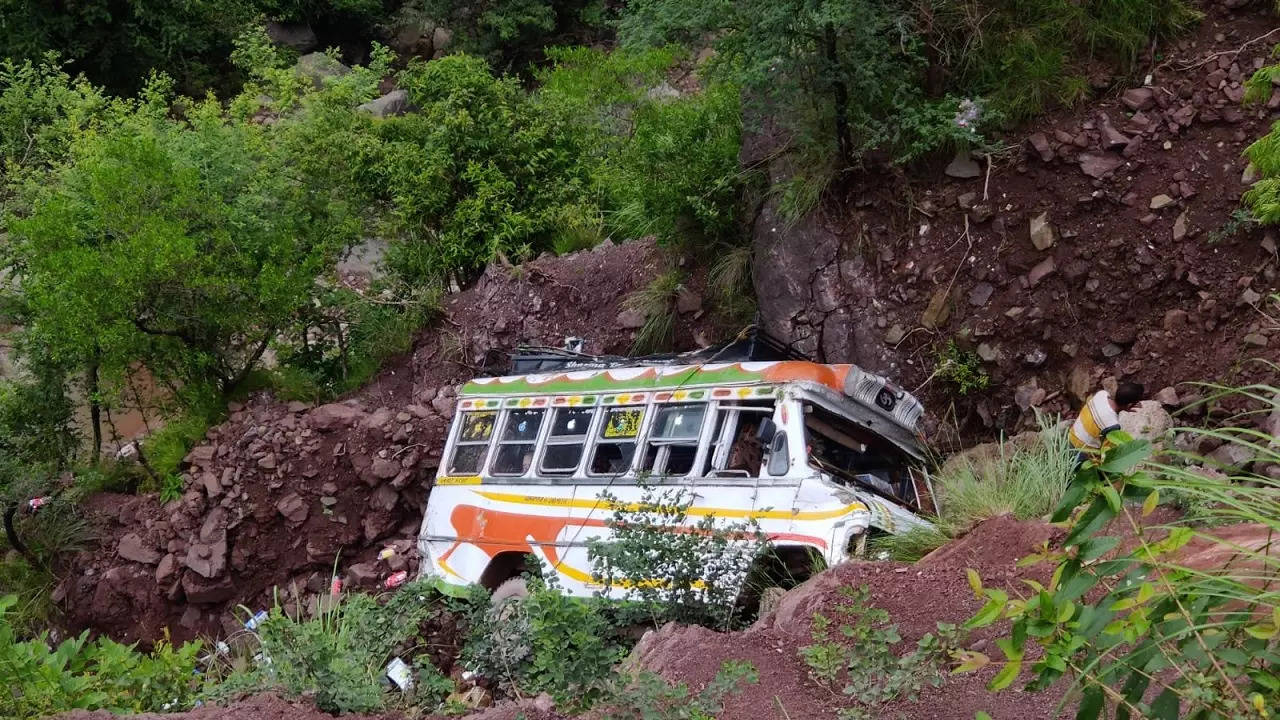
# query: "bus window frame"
455 442
546 443
637 441
700 444
538 444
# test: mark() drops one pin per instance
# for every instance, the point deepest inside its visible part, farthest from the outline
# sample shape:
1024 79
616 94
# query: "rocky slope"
283 494
1096 244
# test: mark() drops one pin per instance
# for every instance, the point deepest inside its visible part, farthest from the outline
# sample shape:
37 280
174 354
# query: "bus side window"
673 439
616 442
735 450
518 440
472 445
564 445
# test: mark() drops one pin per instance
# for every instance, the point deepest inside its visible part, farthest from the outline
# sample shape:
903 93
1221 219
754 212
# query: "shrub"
477 172
961 368
659 165
667 567
1138 628
854 655
548 642
82 675
337 656
646 696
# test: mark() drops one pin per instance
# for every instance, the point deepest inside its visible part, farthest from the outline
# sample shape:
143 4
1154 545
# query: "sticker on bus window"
477 426
623 423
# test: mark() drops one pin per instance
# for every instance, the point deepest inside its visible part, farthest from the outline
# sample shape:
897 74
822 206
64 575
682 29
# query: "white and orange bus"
818 456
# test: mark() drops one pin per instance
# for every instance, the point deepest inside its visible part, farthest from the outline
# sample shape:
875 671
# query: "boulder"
200 456
133 548
333 416
1148 420
166 569
319 67
298 36
938 310
1099 165
363 574
1043 269
1042 235
206 591
1161 201
962 166
631 319
384 468
208 559
980 294
212 485
395 102
1040 144
293 508
1232 455
1167 397
1180 227
1137 99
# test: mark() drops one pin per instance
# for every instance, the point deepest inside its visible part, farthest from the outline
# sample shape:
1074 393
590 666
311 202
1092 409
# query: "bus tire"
513 589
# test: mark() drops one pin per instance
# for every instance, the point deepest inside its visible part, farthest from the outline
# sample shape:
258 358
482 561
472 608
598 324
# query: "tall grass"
1026 480
657 303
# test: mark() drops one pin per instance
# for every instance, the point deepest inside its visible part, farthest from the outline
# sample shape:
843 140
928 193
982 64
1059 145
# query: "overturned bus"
817 456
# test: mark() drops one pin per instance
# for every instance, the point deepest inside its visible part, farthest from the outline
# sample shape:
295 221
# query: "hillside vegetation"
180 185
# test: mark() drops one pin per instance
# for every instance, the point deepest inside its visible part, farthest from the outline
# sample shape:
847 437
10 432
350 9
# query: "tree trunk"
95 404
840 93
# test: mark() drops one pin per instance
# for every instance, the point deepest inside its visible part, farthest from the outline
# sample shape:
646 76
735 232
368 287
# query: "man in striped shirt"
1101 415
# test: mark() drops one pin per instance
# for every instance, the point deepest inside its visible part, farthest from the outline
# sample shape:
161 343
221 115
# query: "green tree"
849 72
478 171
661 162
182 245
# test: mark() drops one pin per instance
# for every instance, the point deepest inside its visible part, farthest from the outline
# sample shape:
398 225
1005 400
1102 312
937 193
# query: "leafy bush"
1262 199
1025 480
670 568
548 642
660 165
857 658
962 368
83 675
1139 629
648 697
338 656
477 172
124 261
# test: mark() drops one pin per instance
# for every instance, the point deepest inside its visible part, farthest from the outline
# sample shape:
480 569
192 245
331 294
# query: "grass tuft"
657 303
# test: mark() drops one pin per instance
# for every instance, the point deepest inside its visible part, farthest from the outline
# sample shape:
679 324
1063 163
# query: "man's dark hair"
1129 393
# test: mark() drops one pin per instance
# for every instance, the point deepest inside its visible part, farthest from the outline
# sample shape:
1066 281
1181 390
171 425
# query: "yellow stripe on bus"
459 480
693 511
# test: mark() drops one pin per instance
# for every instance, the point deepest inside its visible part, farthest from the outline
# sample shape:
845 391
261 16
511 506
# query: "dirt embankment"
1099 243
283 493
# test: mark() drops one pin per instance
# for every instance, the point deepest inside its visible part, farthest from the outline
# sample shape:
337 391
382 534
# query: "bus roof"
660 378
